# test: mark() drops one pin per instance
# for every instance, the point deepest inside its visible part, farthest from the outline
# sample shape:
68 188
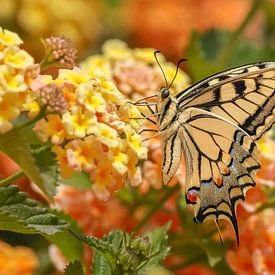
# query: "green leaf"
21 214
71 248
101 246
159 249
201 54
47 164
74 268
121 253
79 180
214 251
101 261
100 265
206 53
15 145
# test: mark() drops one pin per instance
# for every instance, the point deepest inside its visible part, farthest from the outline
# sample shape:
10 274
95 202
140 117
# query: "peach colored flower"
256 253
17 260
168 25
136 77
95 218
134 71
92 133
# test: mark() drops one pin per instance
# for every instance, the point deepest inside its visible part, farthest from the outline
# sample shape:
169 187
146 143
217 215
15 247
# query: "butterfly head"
164 93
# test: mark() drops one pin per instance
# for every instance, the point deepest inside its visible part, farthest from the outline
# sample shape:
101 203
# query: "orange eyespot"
218 181
192 196
225 170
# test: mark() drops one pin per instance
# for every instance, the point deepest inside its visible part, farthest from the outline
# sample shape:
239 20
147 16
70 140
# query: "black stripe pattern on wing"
246 98
237 152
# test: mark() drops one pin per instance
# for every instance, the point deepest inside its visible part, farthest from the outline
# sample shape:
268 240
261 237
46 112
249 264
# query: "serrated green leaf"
21 214
71 248
15 145
74 268
158 239
48 167
100 265
102 247
115 238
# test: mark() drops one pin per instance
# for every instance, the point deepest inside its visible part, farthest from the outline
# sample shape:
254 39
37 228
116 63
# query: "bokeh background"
212 35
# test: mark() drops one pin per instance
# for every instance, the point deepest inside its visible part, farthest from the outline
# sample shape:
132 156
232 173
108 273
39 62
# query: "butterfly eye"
165 93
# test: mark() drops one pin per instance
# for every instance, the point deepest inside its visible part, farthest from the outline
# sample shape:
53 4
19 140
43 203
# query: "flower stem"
170 191
7 181
32 121
233 41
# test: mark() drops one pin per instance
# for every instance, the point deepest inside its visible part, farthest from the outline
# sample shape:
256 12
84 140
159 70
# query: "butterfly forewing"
243 95
215 127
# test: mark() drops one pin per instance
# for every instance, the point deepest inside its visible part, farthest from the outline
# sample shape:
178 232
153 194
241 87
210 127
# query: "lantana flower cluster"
137 74
17 71
41 18
256 253
91 128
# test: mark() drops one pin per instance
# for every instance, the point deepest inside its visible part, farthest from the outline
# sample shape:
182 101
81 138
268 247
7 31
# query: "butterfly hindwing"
222 165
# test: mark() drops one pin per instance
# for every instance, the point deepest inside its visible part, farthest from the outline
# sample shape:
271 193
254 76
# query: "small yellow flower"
181 81
107 135
116 49
92 100
119 159
81 154
31 106
97 62
11 80
147 55
9 110
74 76
104 177
51 127
17 58
110 93
79 123
133 171
61 155
135 143
8 38
128 112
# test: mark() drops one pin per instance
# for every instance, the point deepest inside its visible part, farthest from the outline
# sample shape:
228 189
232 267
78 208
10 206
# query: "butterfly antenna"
156 57
220 234
179 62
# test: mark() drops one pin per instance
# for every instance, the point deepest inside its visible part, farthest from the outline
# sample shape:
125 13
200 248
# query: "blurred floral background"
115 41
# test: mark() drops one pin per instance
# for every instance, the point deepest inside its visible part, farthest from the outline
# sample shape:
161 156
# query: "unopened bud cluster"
134 253
52 98
61 51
